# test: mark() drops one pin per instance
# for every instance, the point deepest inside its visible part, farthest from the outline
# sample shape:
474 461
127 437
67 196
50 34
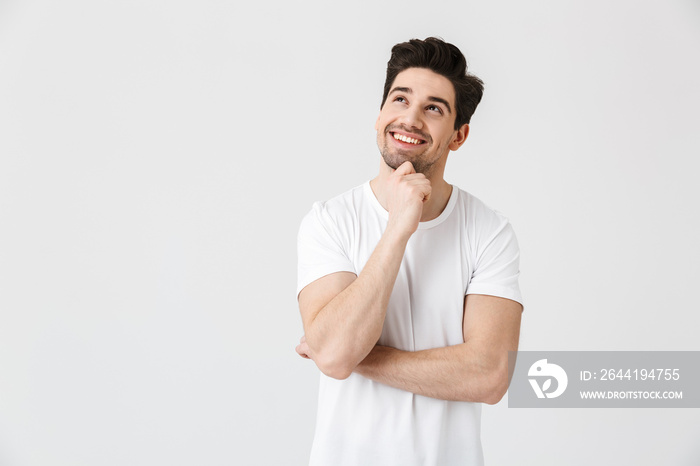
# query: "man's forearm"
341 331
455 373
347 328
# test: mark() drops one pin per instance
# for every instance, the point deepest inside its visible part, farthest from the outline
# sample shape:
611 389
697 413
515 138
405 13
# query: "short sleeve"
497 265
320 251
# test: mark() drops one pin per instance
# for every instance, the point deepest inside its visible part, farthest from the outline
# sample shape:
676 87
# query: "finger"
405 168
426 191
300 352
423 185
415 177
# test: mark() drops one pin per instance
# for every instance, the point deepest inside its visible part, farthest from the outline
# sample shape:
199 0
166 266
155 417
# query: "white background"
157 158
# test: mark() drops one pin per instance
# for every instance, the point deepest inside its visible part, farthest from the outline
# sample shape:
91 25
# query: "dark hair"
444 59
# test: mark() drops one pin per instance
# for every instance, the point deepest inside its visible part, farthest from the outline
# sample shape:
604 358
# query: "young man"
408 286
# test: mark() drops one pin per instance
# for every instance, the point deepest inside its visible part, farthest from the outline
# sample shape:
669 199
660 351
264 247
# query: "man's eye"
435 108
399 99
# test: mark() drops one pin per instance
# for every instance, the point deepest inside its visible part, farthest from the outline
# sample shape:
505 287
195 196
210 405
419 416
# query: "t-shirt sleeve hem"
497 291
320 273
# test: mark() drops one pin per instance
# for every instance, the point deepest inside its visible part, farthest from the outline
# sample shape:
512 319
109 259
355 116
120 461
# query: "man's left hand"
302 348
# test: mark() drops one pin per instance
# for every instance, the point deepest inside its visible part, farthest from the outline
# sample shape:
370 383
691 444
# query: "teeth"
403 138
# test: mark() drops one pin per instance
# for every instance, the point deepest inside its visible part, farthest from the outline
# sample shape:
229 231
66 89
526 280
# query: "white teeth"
403 138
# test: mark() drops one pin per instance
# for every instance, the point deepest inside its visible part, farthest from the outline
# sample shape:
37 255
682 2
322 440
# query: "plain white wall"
157 157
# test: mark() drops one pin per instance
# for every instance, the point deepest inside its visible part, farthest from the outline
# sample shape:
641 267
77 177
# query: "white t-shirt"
468 249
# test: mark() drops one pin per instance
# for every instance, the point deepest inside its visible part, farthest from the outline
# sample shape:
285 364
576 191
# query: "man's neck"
439 196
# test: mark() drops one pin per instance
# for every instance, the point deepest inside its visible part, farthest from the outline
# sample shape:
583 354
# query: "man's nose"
413 117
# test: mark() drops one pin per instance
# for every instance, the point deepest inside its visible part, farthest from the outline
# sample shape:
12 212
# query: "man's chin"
394 161
391 164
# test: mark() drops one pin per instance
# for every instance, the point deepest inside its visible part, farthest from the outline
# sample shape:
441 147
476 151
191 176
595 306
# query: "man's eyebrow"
442 101
408 90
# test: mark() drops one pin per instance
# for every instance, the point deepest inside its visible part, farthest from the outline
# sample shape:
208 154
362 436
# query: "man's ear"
376 123
459 137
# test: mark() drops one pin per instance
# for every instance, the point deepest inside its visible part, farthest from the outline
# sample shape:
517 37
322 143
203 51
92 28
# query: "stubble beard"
395 159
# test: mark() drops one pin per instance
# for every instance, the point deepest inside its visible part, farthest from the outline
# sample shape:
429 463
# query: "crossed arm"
476 370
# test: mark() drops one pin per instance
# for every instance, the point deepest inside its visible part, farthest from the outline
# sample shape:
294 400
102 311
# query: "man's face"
417 120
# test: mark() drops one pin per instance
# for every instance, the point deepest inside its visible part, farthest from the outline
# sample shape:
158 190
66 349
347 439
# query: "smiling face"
417 120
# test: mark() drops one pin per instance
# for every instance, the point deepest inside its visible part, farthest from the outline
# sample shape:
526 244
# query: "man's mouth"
407 139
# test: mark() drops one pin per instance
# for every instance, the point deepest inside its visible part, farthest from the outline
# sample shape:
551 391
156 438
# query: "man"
408 286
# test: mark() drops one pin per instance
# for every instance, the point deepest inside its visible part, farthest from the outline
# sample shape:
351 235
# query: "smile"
406 139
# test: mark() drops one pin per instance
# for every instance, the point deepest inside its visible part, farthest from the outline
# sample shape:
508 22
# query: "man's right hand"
407 192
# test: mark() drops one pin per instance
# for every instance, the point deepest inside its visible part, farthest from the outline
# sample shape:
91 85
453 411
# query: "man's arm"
343 315
476 370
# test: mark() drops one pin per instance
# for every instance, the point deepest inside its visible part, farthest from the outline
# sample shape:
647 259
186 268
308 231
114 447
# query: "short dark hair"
444 59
